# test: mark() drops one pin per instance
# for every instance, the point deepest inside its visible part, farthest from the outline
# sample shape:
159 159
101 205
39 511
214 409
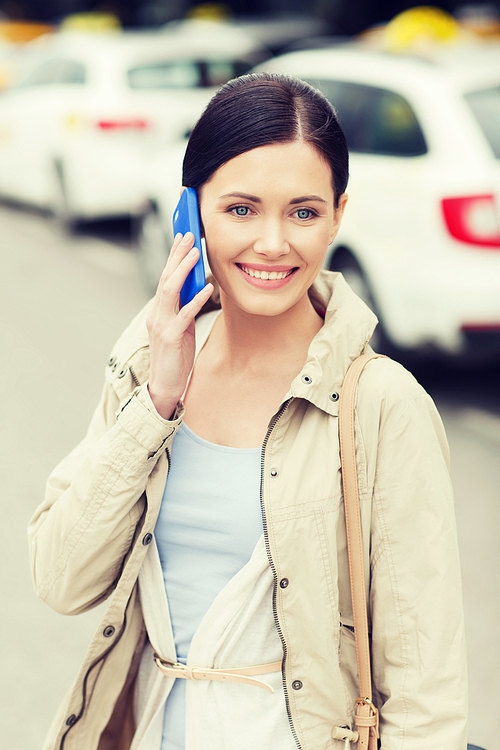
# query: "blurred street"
63 304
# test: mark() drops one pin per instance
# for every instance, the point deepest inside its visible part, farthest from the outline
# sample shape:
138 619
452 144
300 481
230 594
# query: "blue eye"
241 210
304 213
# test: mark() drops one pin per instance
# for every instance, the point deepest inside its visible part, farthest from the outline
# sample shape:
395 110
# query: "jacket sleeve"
418 644
94 501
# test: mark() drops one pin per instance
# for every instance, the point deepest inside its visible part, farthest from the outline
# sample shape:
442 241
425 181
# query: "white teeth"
271 275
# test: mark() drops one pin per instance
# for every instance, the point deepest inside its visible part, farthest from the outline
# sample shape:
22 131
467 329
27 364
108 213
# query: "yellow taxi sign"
95 23
419 27
210 12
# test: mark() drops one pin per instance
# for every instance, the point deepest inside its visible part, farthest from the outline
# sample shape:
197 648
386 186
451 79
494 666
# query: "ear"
338 214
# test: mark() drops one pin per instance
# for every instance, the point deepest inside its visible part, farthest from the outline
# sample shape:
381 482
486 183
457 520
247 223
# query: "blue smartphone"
187 219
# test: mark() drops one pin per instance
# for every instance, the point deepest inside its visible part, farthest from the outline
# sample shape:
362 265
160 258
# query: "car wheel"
352 272
60 204
154 247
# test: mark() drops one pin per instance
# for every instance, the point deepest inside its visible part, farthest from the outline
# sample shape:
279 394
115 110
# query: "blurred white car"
420 240
76 130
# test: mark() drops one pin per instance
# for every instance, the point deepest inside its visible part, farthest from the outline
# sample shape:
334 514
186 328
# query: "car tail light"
473 219
126 124
481 327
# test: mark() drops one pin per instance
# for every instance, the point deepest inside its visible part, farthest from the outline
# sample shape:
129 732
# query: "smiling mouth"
267 275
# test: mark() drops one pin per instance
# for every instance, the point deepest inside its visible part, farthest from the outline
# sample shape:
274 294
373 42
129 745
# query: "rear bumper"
448 300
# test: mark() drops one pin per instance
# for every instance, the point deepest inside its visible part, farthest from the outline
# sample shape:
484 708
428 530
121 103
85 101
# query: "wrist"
164 405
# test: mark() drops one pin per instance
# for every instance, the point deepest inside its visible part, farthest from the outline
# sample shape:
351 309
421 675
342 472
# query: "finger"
179 319
170 286
181 246
189 311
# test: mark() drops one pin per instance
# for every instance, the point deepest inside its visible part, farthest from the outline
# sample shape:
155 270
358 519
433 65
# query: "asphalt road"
63 303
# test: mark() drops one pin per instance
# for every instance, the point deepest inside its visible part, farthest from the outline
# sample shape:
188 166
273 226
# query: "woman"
237 561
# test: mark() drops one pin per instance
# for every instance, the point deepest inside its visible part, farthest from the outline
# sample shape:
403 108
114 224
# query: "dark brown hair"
259 109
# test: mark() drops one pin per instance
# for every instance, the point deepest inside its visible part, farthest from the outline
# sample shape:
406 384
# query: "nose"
271 241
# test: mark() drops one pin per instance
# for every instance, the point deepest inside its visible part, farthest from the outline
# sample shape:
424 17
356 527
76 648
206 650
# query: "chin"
266 308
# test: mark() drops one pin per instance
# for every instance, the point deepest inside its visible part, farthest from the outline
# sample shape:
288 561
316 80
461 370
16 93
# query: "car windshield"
185 74
485 105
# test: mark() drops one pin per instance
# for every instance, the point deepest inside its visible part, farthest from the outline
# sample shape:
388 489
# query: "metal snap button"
274 472
115 365
297 684
306 379
284 583
111 361
70 720
108 631
147 539
334 396
122 372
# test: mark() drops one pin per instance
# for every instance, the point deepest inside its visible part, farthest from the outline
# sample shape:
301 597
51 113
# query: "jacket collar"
348 327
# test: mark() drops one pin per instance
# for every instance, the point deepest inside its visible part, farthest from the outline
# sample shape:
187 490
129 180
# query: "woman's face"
268 217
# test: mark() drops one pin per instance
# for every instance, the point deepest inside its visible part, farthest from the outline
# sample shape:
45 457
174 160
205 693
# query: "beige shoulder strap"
366 713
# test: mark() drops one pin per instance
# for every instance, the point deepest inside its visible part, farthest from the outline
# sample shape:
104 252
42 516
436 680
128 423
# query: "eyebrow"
245 196
255 199
307 199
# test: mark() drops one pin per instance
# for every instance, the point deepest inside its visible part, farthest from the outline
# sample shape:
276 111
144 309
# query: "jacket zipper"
134 376
272 425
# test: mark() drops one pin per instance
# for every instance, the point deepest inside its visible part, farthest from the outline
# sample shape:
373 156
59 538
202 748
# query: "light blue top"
209 523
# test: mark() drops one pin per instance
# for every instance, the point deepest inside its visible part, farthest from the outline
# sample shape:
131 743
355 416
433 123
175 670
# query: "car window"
485 105
72 72
55 72
185 74
45 74
375 120
218 72
165 75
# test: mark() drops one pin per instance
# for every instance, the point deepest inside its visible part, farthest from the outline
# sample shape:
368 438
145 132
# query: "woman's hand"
171 330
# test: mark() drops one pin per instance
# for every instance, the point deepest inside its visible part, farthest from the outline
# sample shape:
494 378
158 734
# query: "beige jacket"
89 537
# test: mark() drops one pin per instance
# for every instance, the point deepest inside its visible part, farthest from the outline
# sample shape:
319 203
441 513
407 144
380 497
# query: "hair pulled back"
260 109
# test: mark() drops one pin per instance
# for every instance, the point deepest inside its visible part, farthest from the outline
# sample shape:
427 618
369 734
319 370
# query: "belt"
239 674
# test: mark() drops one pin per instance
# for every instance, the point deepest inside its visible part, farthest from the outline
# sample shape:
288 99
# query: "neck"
248 341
